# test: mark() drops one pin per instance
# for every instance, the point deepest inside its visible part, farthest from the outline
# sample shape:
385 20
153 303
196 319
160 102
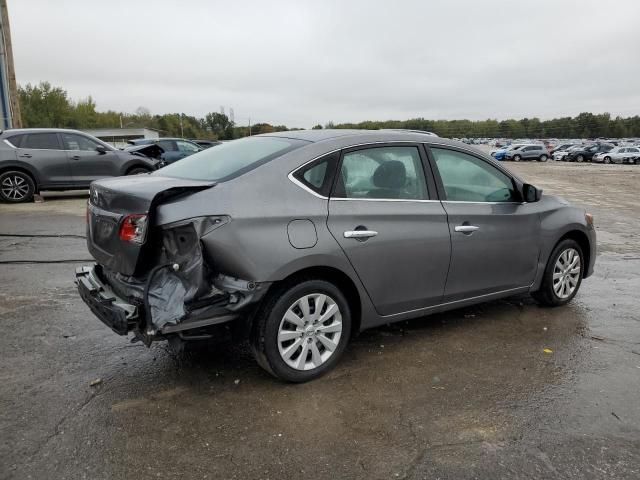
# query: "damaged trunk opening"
163 285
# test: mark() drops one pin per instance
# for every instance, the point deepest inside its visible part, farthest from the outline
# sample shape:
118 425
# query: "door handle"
25 155
360 234
75 157
466 228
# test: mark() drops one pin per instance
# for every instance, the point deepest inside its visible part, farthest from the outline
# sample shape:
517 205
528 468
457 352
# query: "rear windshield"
230 159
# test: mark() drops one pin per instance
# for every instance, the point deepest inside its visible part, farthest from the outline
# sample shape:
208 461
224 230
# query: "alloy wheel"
310 331
15 187
566 273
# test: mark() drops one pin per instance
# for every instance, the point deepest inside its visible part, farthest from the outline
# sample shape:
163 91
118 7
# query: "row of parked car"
598 152
35 159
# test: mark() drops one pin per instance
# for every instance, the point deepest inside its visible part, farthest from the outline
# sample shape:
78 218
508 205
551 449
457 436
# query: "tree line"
44 105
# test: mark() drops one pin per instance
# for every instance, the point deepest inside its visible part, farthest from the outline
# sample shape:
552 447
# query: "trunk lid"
112 199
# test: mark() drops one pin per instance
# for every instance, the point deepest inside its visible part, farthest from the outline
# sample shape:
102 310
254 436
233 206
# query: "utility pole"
181 129
8 67
249 126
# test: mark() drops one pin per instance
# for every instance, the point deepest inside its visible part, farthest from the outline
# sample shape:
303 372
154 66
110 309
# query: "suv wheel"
16 187
543 158
302 330
516 158
562 275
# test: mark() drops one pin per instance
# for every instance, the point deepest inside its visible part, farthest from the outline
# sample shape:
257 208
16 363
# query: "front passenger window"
469 179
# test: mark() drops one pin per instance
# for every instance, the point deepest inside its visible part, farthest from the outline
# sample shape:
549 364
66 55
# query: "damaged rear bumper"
114 312
124 315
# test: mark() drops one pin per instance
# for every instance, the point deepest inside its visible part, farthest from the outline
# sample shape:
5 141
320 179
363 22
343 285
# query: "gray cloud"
301 62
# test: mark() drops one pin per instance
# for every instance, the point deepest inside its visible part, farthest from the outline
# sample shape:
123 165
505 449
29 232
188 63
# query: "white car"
617 155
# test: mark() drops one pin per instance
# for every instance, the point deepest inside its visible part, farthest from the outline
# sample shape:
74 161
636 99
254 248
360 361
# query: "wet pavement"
467 394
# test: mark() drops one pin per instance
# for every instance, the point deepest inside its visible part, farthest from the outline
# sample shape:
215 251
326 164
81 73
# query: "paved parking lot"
467 394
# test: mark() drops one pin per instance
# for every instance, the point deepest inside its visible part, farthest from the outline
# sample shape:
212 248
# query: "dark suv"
35 159
173 149
586 153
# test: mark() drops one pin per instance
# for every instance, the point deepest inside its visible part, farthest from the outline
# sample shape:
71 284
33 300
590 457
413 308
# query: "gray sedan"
299 240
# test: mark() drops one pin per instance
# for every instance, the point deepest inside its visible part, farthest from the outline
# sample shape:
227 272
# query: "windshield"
230 159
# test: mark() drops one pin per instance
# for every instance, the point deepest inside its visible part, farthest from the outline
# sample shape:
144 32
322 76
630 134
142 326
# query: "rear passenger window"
382 173
16 140
318 175
42 141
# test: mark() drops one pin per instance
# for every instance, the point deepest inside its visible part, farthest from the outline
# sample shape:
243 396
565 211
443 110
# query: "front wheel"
16 187
543 158
302 330
580 158
562 275
607 159
516 158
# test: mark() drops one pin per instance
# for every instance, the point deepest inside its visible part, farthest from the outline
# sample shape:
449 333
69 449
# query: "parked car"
632 156
174 148
561 155
301 239
528 152
561 148
615 155
206 143
35 159
586 153
500 153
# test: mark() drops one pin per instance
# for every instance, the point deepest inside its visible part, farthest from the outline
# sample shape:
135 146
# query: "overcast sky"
300 62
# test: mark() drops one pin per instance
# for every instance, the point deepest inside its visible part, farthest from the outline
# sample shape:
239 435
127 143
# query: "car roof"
357 136
14 131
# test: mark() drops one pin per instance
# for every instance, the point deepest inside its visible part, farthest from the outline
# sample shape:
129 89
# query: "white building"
118 137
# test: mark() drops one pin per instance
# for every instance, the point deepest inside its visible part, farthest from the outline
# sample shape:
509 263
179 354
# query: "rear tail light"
134 229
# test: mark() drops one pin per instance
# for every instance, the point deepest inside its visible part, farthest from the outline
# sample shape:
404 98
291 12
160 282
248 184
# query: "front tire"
16 187
580 158
562 275
543 158
302 330
516 158
607 160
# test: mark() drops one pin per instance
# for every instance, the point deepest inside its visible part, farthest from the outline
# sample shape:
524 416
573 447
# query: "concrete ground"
467 394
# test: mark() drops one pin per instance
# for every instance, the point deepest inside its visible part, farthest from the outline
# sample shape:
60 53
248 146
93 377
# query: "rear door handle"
466 228
360 234
75 157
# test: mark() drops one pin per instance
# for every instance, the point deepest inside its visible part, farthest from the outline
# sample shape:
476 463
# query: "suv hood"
112 199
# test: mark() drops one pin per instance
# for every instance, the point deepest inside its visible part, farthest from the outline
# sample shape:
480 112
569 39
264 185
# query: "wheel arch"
334 276
581 239
24 169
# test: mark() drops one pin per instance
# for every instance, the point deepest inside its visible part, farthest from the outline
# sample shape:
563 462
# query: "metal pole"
249 126
181 129
16 118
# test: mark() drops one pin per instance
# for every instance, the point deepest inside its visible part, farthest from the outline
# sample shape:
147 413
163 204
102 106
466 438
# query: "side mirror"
530 193
101 149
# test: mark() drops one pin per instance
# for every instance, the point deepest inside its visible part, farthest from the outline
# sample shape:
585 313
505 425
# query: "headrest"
391 174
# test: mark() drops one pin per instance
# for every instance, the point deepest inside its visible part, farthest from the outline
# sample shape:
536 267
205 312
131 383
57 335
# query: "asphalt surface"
467 394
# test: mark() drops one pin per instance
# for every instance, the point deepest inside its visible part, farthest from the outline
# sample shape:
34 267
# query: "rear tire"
562 275
543 158
580 158
607 160
289 337
16 187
